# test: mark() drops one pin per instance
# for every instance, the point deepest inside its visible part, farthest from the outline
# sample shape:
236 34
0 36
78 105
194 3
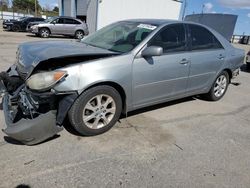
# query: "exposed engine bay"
25 105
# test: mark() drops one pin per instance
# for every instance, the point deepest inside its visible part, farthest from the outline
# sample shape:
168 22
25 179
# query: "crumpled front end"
27 130
32 117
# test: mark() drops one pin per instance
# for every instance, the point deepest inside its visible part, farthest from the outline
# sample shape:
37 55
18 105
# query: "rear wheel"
44 32
219 87
79 34
96 110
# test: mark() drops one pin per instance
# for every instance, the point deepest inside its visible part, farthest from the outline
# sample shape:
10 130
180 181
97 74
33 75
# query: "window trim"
166 27
204 49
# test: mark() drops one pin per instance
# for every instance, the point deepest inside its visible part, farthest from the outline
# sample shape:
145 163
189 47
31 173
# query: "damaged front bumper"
29 131
33 117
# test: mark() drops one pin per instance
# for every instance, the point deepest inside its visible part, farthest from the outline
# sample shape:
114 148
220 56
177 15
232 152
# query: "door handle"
221 57
184 62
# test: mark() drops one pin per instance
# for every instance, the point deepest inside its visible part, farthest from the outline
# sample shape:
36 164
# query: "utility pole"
13 10
35 8
184 9
202 10
1 2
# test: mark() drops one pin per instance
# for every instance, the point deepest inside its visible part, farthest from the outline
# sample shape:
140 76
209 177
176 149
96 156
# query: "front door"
161 77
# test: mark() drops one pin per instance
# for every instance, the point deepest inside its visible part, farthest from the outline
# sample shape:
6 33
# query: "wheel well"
118 88
45 28
80 30
229 73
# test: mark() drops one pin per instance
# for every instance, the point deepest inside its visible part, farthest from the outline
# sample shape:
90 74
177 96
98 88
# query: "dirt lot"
186 143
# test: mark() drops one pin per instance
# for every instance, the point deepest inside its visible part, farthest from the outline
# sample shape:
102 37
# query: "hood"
32 54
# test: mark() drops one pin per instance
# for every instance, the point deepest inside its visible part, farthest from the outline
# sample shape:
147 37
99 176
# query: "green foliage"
28 5
56 9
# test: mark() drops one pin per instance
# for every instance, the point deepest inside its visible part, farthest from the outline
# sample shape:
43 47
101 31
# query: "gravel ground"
185 143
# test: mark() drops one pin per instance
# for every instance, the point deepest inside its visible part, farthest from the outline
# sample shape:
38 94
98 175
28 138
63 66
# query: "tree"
28 5
4 3
56 9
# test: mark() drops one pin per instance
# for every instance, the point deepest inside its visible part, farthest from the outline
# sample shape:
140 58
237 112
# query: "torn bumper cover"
30 131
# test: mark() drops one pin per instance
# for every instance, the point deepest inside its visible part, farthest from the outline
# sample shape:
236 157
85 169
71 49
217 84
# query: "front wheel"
44 32
96 110
219 87
15 28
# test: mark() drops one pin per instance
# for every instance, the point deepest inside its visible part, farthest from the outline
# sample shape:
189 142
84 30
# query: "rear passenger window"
69 21
76 22
171 39
203 39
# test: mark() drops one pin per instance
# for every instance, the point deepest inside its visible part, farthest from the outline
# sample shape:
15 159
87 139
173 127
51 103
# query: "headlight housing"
45 80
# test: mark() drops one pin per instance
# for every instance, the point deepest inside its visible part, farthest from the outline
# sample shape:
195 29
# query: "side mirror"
152 51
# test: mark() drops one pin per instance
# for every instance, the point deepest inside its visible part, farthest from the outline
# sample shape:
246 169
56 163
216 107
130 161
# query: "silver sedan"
125 66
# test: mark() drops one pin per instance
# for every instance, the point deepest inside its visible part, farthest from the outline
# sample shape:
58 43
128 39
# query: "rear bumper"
30 131
235 73
248 59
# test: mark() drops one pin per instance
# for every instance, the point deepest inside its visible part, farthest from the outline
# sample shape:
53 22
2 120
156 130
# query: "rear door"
207 55
70 26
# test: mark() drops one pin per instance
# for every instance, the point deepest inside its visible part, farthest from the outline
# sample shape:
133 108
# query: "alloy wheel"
44 33
220 86
99 111
79 35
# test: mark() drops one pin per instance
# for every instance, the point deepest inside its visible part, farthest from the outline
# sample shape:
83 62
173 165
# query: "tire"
9 28
44 32
219 87
248 65
15 28
90 117
79 34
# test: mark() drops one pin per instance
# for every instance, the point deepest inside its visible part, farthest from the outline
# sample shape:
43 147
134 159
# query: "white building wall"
110 11
67 7
82 7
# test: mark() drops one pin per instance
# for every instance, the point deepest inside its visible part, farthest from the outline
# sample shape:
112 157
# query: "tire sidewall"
40 32
76 111
15 28
79 31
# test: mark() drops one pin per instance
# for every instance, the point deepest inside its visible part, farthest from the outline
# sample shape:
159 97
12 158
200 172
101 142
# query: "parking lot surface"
185 143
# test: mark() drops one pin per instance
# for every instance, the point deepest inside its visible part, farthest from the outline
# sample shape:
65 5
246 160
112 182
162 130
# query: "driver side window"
171 38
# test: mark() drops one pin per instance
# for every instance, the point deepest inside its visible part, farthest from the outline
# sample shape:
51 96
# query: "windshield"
49 19
120 37
20 19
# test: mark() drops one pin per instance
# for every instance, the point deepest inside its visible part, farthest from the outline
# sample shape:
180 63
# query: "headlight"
45 80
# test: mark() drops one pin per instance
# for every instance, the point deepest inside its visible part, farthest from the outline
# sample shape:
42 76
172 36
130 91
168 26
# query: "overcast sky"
237 7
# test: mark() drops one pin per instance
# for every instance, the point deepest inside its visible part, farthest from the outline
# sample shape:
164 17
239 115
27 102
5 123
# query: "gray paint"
222 23
145 81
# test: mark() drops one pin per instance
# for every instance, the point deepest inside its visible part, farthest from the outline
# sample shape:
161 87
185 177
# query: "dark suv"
20 25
